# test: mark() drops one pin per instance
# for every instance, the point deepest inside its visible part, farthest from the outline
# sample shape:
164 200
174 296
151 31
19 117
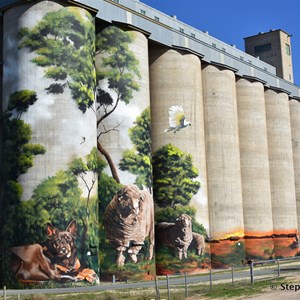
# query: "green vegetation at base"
221 291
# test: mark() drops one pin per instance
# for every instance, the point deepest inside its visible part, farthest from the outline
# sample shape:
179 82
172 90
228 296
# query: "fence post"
185 284
252 272
168 287
157 288
232 277
278 267
210 279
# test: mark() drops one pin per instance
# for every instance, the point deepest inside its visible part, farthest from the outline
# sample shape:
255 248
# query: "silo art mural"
49 141
125 184
125 158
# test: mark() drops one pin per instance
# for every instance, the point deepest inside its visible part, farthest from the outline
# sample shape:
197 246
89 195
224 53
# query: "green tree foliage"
55 200
58 200
64 44
138 160
20 101
79 168
17 150
18 155
107 189
120 68
173 177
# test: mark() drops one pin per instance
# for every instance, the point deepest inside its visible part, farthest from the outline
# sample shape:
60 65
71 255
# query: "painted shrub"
179 163
125 185
50 182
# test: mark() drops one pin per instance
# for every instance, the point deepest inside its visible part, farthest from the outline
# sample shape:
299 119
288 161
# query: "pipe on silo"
175 80
223 166
49 136
257 204
295 128
281 173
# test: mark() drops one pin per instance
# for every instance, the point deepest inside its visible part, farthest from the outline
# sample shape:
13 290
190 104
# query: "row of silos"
228 169
250 143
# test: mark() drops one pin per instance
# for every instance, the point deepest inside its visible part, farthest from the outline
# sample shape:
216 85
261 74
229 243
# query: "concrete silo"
257 206
123 113
281 173
49 134
223 166
175 81
295 127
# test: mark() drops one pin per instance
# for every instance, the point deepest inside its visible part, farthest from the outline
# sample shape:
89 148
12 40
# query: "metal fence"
253 271
168 286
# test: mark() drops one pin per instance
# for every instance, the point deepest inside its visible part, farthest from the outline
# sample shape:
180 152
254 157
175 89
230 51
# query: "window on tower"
288 49
262 48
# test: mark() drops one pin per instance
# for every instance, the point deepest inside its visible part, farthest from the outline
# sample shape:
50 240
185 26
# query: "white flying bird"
177 119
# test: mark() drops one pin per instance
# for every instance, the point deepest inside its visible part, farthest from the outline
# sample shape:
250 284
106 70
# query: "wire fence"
253 271
179 287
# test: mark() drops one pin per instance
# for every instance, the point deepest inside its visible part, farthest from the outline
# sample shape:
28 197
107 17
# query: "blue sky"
232 20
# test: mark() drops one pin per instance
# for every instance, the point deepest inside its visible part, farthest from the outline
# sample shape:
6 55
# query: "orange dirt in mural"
222 248
194 270
259 247
285 246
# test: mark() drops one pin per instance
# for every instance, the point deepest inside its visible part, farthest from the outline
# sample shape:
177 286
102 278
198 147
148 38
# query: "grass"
218 290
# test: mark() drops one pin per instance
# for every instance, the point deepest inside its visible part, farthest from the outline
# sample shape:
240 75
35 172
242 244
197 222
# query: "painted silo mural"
49 145
255 174
223 167
179 163
123 158
125 183
282 179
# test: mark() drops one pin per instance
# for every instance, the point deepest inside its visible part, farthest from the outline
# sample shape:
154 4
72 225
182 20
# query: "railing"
170 285
276 265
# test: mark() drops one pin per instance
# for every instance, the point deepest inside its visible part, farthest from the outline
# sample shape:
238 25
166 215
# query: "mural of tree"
19 154
79 168
58 200
63 42
138 160
120 68
17 150
173 177
20 101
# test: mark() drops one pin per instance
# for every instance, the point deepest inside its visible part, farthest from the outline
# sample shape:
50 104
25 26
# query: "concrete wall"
242 138
275 53
41 186
281 171
56 121
295 128
117 140
223 159
175 79
257 206
127 152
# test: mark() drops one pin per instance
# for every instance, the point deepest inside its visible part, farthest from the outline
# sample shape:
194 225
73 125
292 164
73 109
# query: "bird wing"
176 116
